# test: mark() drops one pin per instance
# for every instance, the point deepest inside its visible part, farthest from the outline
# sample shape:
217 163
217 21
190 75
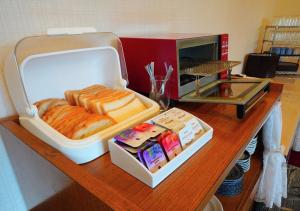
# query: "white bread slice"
130 109
93 124
58 102
100 100
118 102
94 89
69 123
85 99
72 95
44 105
69 115
95 104
118 99
55 113
69 96
69 119
75 122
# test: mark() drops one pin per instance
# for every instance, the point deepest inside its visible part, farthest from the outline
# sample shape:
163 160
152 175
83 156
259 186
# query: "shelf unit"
271 35
282 36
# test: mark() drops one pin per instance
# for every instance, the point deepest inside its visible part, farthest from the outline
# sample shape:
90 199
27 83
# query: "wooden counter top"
190 186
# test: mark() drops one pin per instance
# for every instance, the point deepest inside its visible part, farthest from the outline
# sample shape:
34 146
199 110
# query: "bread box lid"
43 67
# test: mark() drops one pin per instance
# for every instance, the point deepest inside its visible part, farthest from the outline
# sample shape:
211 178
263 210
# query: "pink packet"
170 143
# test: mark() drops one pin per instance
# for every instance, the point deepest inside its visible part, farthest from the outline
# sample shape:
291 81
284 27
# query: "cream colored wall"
280 8
287 7
241 19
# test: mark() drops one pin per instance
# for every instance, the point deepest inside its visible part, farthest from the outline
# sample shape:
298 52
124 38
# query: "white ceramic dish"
244 161
213 205
252 146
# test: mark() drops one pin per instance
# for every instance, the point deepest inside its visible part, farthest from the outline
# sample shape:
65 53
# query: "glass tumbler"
160 92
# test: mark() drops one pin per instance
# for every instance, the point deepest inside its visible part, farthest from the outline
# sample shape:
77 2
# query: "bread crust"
75 122
44 105
89 110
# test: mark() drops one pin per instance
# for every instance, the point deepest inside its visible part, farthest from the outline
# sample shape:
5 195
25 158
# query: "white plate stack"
244 161
252 146
214 205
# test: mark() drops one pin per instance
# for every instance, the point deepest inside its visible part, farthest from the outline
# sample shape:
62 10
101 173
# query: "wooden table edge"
71 169
275 87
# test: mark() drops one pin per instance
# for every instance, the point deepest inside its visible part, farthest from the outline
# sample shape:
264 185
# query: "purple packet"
154 158
125 135
140 156
141 150
132 138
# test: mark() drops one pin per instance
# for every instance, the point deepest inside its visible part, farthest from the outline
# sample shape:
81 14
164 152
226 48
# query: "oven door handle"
256 101
243 109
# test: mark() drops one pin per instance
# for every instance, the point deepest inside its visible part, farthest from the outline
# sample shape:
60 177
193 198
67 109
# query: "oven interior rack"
207 68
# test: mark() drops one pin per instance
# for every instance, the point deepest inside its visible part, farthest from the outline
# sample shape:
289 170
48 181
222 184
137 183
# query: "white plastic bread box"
45 67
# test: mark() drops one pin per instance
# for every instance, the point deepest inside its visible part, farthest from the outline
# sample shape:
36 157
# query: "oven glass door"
229 89
235 91
192 53
193 56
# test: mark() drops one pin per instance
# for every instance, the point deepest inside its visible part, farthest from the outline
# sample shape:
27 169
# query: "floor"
290 109
292 202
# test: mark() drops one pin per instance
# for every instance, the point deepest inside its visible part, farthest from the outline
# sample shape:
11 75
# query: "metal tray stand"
243 92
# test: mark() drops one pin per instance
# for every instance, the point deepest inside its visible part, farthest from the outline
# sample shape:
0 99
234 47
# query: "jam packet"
134 150
170 143
149 130
131 138
186 118
195 125
136 136
169 122
140 156
154 158
179 114
129 149
186 136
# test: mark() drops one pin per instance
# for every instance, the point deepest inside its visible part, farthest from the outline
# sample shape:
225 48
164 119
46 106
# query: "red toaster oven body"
173 49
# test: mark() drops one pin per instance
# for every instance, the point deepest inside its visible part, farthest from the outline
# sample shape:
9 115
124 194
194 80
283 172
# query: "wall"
241 19
287 8
280 8
10 190
37 179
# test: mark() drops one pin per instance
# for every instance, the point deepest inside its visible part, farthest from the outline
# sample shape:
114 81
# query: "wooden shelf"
191 186
283 41
74 198
243 201
270 39
286 55
284 27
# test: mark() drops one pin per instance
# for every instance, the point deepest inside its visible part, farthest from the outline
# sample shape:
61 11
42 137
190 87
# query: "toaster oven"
178 50
202 72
